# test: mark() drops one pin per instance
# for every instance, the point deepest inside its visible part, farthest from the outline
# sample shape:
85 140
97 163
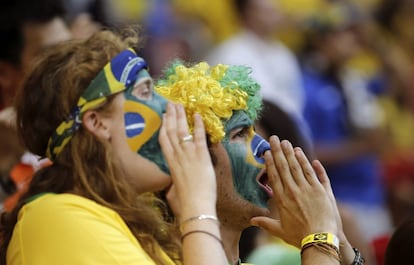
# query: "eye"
240 134
143 90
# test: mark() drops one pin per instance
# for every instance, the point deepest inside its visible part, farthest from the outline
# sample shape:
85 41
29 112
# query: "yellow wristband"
323 237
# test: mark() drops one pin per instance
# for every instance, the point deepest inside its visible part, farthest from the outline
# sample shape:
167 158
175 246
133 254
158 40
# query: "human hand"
302 194
193 191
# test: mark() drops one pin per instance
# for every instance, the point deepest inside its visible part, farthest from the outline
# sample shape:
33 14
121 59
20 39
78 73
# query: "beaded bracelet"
198 218
359 259
325 248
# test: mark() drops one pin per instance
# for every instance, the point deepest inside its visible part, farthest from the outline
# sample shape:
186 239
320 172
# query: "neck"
231 238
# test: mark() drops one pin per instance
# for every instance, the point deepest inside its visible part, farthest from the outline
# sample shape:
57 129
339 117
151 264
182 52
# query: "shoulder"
74 229
62 206
65 212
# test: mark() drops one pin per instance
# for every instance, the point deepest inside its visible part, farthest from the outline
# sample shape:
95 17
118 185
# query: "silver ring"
188 138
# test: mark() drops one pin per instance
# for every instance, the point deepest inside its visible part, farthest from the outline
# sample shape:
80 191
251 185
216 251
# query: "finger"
306 167
166 147
199 133
322 176
173 202
273 226
282 165
171 128
165 143
294 166
182 124
274 179
273 176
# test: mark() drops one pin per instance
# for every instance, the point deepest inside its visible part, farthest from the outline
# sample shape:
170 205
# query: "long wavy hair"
49 93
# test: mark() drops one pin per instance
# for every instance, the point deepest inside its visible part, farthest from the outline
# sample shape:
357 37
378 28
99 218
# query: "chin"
160 182
235 211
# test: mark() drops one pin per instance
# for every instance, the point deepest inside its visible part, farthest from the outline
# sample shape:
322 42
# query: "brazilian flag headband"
121 72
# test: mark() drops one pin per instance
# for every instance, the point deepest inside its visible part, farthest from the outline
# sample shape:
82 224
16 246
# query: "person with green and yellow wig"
227 98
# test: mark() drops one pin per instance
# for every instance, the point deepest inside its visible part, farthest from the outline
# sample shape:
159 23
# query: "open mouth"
263 181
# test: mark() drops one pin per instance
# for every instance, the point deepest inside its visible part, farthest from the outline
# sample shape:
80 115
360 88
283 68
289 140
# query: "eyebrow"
239 123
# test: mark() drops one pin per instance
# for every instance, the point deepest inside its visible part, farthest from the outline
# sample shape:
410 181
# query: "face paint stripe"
135 126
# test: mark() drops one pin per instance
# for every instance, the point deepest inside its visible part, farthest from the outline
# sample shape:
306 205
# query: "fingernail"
298 149
274 139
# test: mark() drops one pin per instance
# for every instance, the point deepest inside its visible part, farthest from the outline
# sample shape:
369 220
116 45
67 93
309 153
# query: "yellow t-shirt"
68 229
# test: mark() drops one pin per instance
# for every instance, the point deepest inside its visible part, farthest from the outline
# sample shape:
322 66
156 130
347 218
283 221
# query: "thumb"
273 226
173 202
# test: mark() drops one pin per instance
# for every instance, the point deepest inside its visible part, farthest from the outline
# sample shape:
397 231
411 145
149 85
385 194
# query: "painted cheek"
257 147
244 175
140 126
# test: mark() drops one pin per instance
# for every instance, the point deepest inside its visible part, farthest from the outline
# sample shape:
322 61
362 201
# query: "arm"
304 202
194 186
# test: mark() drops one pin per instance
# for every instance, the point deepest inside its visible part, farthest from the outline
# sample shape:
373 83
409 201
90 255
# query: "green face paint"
245 157
142 125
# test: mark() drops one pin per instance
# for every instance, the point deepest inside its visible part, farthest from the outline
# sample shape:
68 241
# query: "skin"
234 158
195 195
239 195
143 113
140 101
240 143
194 181
236 167
112 127
297 184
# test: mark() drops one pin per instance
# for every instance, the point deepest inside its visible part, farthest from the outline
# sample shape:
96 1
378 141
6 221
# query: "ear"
96 124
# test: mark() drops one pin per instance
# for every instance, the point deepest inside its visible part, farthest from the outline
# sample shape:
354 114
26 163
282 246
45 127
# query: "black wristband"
359 259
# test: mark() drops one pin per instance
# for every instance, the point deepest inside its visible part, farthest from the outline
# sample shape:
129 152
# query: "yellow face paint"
141 123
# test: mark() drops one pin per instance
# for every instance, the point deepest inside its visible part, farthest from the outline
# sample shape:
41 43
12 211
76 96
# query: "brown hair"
50 92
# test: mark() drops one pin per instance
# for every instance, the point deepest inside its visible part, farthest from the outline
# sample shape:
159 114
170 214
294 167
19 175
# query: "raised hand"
192 172
303 197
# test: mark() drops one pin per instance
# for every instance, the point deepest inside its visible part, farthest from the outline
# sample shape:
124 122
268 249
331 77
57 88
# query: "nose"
260 146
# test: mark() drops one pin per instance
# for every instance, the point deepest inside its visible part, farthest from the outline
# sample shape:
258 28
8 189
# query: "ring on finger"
187 138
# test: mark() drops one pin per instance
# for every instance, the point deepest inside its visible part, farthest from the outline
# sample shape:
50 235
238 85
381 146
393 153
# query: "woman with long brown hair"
87 199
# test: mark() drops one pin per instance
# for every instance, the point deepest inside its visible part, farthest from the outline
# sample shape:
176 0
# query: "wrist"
324 242
346 250
189 212
322 237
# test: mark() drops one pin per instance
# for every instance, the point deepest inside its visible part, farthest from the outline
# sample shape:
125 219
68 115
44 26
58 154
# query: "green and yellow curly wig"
213 92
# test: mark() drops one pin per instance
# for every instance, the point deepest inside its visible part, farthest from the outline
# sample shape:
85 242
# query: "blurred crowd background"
337 79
